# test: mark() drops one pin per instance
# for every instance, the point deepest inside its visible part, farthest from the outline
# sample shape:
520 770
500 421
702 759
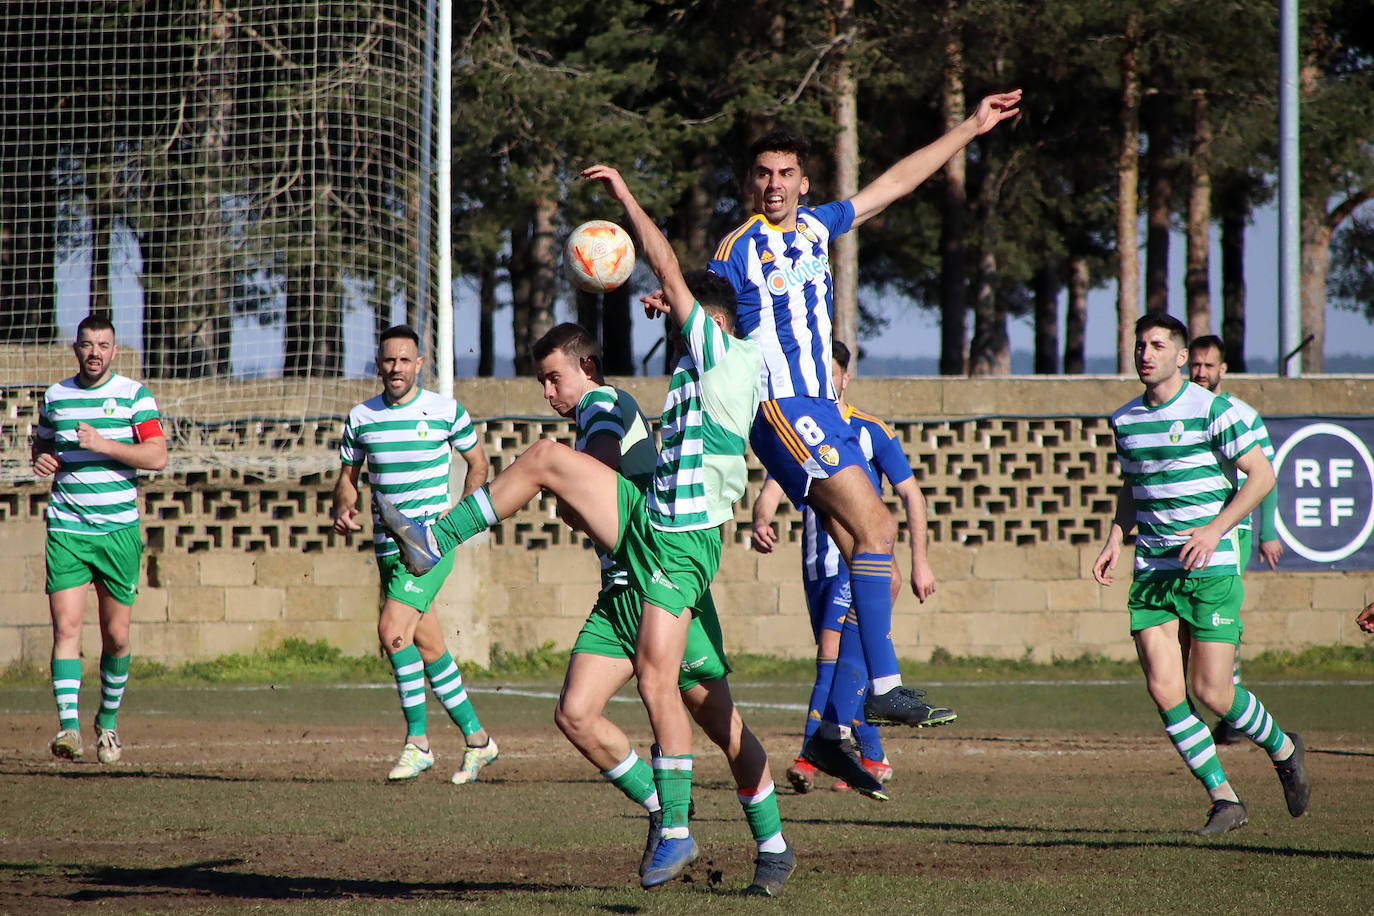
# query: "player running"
668 540
1179 446
779 265
406 436
96 431
1207 367
839 657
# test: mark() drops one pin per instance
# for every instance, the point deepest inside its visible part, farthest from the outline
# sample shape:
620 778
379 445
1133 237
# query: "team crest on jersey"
829 455
806 232
1175 431
109 407
422 429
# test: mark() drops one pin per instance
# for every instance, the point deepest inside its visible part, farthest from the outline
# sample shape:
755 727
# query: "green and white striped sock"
66 689
1194 744
410 683
447 682
114 674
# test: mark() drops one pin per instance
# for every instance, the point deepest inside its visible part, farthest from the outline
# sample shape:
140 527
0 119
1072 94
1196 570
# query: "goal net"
244 187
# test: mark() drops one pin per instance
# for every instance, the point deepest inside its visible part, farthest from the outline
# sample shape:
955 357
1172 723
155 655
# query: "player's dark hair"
714 292
780 141
399 330
839 351
1207 342
1167 322
574 340
95 321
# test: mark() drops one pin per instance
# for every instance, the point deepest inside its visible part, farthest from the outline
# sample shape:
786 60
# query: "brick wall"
1019 474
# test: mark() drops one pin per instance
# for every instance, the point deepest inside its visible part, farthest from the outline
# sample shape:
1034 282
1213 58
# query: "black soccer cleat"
905 706
771 871
651 844
1297 789
837 757
1223 817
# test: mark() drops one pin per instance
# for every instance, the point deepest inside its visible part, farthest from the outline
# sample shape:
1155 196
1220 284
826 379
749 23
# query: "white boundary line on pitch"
1037 682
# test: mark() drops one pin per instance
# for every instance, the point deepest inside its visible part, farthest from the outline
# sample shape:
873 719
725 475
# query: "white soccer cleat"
473 760
67 744
107 746
413 762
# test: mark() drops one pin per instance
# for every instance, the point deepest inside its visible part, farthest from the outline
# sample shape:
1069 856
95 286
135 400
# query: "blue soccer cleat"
419 550
670 858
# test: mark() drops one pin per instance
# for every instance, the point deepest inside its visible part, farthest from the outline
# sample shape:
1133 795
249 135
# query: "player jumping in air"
406 436
779 265
839 657
668 540
1207 367
1180 447
96 431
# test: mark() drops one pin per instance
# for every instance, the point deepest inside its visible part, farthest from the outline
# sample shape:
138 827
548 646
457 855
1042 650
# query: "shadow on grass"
209 879
79 771
1351 855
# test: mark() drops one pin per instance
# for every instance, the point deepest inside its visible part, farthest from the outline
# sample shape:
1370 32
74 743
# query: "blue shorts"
828 600
800 439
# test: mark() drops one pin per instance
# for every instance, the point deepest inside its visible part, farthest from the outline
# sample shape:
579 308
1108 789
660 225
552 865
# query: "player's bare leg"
590 683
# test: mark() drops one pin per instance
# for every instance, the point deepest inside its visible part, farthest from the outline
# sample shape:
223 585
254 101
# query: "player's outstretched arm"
909 173
653 244
476 460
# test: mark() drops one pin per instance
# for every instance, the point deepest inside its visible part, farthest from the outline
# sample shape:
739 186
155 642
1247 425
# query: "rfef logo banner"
1325 471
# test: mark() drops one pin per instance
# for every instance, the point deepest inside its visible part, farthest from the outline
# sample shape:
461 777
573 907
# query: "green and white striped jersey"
612 411
712 398
1252 421
408 452
1179 460
93 493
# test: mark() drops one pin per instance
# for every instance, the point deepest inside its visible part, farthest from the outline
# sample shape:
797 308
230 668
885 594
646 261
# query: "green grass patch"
297 661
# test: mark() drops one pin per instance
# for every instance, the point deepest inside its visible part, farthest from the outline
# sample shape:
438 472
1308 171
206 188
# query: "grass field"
1049 795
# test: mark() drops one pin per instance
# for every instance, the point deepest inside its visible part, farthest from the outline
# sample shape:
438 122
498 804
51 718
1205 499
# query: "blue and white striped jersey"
785 291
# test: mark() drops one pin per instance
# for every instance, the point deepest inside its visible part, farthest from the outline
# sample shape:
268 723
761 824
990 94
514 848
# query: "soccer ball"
599 256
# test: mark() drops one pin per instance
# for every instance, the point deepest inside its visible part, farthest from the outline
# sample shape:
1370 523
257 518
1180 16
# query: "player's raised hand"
655 304
996 108
610 177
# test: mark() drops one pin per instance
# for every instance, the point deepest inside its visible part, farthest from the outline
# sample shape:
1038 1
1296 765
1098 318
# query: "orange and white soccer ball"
599 256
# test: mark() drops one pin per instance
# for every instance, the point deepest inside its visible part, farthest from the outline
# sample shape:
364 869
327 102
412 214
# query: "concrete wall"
215 583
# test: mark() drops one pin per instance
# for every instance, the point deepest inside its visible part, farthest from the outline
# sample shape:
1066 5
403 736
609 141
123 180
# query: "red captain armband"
148 429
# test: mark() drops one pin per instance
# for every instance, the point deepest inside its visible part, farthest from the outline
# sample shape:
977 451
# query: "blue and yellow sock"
870 583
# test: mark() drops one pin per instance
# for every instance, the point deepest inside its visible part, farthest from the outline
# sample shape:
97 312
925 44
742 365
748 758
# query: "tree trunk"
1047 319
1158 206
845 250
1316 262
1235 211
486 299
990 349
952 211
588 311
616 338
1076 319
1128 175
1199 219
541 276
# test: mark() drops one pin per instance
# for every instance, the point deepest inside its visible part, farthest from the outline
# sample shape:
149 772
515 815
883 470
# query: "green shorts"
1208 605
612 629
669 569
111 560
418 592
